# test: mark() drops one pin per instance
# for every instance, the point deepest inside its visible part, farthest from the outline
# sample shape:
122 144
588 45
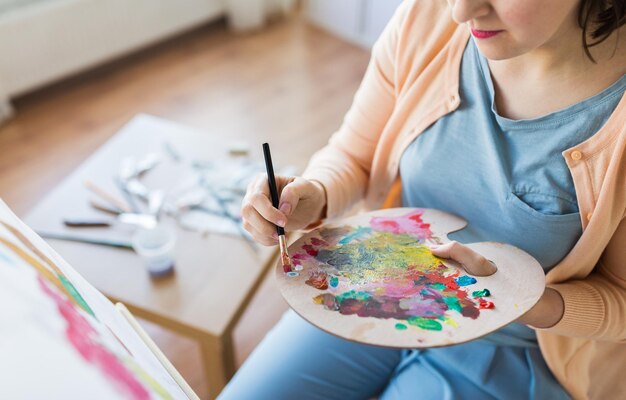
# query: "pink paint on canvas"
83 337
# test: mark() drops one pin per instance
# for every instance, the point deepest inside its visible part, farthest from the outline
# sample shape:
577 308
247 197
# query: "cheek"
534 22
524 20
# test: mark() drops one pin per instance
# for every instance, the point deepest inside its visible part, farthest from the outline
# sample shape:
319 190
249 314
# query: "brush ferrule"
284 254
283 245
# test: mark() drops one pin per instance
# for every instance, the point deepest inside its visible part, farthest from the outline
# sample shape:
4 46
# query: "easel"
191 395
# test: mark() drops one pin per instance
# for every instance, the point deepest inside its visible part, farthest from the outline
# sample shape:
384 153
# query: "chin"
498 51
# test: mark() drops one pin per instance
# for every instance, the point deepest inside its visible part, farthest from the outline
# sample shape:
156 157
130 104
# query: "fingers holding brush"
259 216
264 207
261 230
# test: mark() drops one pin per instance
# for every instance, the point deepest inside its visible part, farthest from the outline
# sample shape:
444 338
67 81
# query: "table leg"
228 355
219 362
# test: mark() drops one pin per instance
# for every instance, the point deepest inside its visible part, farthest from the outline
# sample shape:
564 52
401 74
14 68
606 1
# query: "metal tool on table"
143 220
74 237
128 176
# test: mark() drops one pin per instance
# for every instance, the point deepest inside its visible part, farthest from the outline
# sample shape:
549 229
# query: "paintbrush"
109 209
85 239
284 254
110 198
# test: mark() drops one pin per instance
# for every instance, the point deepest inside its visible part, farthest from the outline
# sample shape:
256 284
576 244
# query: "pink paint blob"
410 224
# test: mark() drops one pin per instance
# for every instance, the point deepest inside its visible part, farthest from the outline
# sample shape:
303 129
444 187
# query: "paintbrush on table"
109 209
284 254
72 237
103 194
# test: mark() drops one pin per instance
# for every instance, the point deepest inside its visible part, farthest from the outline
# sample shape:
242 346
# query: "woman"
495 111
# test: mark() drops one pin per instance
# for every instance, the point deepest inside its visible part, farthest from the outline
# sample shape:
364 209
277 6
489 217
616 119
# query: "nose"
466 10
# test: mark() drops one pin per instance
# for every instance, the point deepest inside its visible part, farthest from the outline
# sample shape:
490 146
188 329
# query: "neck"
564 57
556 75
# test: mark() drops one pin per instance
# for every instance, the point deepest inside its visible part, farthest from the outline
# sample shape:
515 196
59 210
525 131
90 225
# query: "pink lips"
484 34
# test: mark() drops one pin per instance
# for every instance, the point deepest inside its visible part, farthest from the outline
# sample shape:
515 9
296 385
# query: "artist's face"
516 27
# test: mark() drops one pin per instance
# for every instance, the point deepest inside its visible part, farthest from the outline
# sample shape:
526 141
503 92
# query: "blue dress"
509 180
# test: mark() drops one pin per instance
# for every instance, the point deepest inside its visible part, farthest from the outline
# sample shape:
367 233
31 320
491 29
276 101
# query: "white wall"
359 21
45 41
42 41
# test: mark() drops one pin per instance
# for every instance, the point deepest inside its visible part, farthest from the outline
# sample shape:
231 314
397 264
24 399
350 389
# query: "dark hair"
598 19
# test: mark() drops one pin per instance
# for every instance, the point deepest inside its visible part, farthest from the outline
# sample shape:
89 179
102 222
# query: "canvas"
60 337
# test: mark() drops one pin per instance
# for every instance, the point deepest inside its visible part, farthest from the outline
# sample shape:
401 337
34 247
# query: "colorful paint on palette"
485 304
386 271
465 280
481 293
318 279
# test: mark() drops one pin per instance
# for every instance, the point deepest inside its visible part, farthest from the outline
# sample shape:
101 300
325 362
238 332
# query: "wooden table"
215 275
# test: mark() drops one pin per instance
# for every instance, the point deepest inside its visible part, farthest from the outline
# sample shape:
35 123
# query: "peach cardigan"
413 80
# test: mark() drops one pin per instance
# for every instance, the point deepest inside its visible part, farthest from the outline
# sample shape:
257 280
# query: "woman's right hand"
302 202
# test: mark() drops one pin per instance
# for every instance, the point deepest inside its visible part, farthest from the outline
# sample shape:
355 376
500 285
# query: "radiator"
46 40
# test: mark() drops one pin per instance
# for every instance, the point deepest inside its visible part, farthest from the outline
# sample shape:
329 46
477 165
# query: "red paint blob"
310 250
390 224
418 219
485 304
318 279
318 242
286 261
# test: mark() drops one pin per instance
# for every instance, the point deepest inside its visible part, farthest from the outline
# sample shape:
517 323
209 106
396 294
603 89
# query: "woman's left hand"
546 313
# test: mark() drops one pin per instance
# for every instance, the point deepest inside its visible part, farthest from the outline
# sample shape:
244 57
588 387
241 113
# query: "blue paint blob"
465 280
334 281
359 232
292 274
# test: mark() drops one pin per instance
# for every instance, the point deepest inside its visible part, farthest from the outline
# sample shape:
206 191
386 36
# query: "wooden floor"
290 78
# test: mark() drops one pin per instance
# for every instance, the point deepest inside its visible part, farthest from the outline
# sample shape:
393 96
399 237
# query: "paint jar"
156 247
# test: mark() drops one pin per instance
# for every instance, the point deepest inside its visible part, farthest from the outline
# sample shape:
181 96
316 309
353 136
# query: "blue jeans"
299 361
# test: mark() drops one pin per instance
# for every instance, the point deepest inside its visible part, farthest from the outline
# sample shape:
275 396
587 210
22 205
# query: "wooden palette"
371 279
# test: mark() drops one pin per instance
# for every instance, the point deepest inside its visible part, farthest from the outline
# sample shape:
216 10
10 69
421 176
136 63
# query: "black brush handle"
272 182
86 223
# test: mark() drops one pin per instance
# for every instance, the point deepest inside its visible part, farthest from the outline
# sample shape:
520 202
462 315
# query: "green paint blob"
438 286
75 295
453 303
354 295
481 293
424 323
400 327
